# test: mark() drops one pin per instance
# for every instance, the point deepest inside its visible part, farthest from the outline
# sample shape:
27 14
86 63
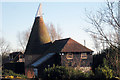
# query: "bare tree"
106 27
4 49
55 34
106 18
23 38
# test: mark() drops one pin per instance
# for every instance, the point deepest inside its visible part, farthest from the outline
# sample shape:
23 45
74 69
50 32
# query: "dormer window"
69 56
83 55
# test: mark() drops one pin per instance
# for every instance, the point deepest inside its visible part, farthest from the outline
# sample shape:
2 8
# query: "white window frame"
68 56
83 55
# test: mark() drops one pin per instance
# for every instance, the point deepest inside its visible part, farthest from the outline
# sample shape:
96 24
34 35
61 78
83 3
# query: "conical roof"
39 37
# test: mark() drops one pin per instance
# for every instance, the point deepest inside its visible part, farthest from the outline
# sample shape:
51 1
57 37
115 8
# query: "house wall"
15 57
29 72
76 61
87 62
30 58
49 63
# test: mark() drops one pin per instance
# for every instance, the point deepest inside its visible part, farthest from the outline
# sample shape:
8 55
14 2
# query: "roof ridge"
75 42
62 39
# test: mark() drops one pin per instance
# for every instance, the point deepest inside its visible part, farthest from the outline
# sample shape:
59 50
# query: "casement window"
69 56
83 55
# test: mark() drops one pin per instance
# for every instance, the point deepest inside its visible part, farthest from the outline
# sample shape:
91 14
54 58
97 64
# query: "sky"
70 17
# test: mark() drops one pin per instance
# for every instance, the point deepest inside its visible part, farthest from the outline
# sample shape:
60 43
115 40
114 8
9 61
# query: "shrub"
89 74
11 73
65 73
56 73
76 74
103 72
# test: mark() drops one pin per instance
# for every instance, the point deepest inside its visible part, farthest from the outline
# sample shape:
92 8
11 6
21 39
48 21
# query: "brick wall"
29 72
30 58
76 61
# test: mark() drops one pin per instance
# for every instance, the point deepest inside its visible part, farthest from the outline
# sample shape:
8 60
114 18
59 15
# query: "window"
69 56
20 56
83 55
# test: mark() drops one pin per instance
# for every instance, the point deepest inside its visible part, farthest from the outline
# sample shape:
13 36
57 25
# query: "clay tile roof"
67 45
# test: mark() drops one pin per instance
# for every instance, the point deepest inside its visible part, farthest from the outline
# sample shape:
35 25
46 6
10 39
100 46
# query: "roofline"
91 52
42 59
76 42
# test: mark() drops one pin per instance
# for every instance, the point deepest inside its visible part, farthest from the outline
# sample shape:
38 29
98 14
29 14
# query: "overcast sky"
70 17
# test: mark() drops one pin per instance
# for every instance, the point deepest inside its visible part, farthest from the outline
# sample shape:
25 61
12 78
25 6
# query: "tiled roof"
67 45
